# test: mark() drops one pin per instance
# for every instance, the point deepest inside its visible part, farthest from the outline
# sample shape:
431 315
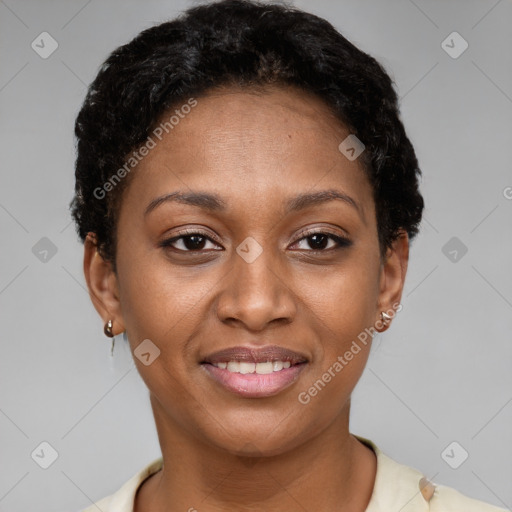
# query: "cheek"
344 311
157 299
343 300
342 305
160 307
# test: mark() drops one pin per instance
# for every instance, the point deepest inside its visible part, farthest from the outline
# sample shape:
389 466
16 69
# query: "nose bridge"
256 267
256 292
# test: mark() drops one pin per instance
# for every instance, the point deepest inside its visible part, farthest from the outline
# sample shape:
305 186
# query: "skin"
221 451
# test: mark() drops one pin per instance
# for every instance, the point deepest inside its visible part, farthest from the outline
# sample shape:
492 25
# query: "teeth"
263 368
233 366
277 365
245 367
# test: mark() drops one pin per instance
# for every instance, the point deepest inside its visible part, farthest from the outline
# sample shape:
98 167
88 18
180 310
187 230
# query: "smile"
254 380
245 367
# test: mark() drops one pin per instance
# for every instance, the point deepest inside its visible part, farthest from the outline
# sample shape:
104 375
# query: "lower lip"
254 385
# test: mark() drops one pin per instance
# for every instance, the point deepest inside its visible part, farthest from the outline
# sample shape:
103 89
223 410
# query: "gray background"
440 374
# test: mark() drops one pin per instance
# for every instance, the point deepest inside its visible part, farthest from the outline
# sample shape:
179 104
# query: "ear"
102 284
392 278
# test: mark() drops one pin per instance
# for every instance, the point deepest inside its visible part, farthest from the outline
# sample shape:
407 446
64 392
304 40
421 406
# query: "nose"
256 293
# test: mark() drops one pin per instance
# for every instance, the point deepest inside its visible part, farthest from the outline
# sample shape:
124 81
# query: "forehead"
287 123
258 145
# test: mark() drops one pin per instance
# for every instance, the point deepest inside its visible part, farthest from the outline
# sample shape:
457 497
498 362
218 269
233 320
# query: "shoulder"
123 500
400 487
447 499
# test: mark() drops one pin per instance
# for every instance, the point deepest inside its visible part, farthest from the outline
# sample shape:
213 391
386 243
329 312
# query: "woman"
246 195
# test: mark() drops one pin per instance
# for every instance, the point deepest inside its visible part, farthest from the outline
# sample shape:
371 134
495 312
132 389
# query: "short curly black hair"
241 43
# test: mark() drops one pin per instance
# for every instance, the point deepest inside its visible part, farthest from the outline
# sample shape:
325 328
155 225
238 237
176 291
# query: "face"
261 258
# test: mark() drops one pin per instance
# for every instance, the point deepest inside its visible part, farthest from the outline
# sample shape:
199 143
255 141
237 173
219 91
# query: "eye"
319 241
195 241
192 241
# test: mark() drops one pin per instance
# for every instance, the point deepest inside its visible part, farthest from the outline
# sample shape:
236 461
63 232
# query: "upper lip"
256 355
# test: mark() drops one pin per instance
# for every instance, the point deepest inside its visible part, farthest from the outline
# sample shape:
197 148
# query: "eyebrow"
214 203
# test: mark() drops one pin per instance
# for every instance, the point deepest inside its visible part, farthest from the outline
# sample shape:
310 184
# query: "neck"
206 478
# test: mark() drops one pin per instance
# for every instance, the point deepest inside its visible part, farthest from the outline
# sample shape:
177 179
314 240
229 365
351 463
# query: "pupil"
194 243
316 244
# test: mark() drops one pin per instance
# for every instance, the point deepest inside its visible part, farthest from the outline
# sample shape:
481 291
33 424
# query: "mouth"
255 372
245 367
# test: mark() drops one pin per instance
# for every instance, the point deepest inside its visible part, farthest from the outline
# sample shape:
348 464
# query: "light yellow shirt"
398 488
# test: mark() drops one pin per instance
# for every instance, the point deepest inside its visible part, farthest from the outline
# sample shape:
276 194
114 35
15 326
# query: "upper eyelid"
314 231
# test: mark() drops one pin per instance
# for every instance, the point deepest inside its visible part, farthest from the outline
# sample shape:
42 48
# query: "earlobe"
392 279
102 285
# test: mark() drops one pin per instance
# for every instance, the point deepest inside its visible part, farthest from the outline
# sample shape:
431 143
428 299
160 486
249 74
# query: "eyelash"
341 241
